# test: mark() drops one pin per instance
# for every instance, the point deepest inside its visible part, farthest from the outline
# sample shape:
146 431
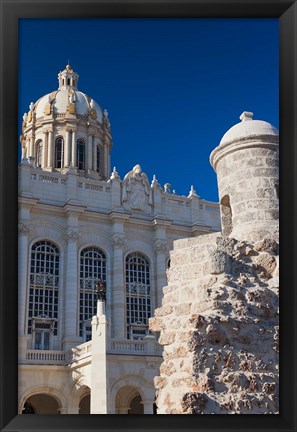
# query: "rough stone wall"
219 327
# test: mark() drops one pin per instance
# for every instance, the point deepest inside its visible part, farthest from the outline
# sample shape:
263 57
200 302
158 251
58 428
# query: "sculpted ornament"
136 190
118 240
24 229
71 235
161 246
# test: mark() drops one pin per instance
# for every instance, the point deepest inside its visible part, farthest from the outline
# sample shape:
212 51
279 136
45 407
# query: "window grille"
81 154
138 301
92 269
98 160
59 152
44 282
38 153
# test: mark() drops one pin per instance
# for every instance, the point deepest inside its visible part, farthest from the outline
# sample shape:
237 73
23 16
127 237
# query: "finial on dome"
246 116
68 67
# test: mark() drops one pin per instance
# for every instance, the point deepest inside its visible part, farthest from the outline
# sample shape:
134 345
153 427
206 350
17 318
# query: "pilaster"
118 297
71 295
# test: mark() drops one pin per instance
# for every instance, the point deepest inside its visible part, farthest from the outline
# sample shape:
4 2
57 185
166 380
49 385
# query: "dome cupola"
67 129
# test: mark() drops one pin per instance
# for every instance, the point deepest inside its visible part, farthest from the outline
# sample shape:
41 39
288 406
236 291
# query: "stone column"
105 155
62 410
24 231
71 295
123 409
148 407
31 147
73 154
50 157
161 248
118 288
24 152
89 153
67 149
44 150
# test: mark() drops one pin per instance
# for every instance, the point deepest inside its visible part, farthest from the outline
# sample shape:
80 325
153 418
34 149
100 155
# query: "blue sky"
172 87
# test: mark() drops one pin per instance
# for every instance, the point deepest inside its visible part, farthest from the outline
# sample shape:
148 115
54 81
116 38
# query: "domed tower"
66 129
247 165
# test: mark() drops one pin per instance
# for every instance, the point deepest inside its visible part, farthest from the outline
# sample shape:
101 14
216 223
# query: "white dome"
60 101
248 128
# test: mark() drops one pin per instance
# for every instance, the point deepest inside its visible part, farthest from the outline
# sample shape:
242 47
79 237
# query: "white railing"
80 352
128 346
84 351
46 356
135 347
177 201
49 178
93 185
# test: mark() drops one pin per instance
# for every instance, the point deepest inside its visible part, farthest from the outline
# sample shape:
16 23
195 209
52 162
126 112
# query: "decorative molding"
119 240
161 246
24 229
71 235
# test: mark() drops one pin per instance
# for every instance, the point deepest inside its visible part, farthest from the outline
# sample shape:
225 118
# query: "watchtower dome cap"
248 128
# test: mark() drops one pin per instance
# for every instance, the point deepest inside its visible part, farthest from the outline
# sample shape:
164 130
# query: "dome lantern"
68 79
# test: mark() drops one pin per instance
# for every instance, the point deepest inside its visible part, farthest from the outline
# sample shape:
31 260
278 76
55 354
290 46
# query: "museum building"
93 255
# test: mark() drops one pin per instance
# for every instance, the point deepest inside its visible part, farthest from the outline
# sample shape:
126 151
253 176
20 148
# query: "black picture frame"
11 11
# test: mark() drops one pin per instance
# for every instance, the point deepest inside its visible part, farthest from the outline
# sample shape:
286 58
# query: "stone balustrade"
106 195
84 351
46 357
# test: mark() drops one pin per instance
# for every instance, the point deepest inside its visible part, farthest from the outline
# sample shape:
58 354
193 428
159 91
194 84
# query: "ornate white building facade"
80 224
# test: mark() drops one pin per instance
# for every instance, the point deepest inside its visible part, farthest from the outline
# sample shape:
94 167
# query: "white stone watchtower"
246 163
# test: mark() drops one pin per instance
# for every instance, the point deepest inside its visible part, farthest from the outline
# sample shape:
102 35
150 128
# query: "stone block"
182 309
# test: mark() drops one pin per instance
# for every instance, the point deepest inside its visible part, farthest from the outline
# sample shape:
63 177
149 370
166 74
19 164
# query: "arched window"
92 269
81 154
38 153
98 156
59 152
138 302
43 293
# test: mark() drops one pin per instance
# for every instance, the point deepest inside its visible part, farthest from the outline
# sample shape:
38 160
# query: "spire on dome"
68 79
